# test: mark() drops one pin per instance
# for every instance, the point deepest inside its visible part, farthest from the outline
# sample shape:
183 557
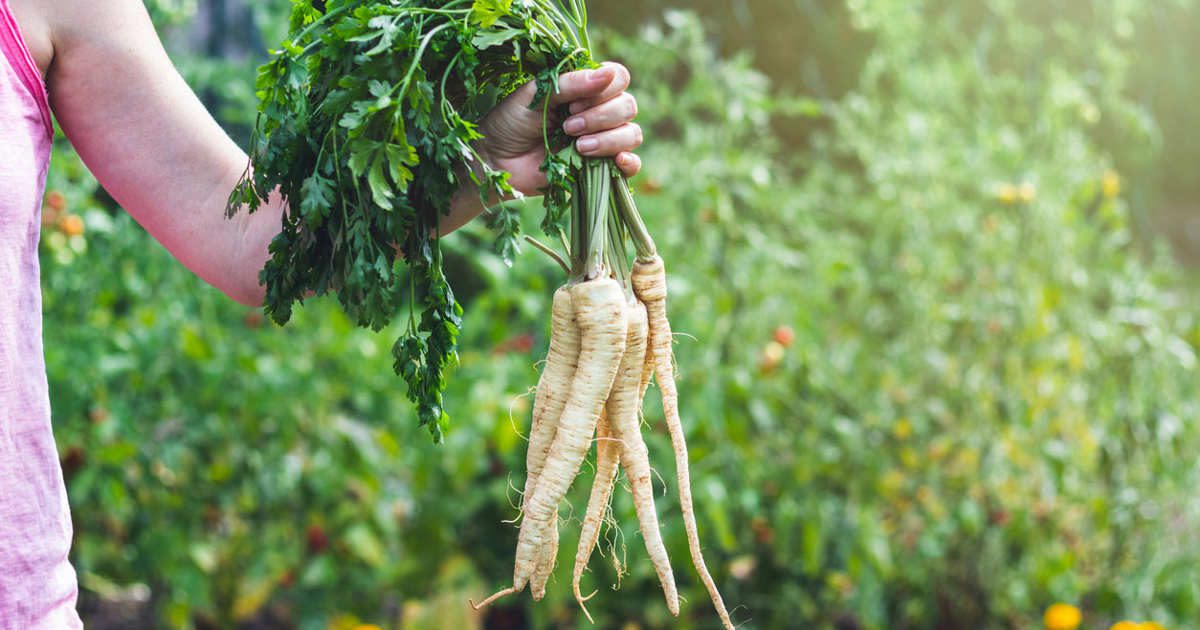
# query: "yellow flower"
1110 184
367 626
1152 625
1063 617
1126 625
1027 193
1007 194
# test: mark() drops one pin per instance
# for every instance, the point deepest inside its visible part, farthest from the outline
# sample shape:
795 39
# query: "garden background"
939 370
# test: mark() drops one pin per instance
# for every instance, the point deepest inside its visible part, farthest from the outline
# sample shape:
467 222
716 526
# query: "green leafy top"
367 126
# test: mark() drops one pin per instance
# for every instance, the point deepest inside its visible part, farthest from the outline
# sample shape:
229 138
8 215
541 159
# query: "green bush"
986 406
985 409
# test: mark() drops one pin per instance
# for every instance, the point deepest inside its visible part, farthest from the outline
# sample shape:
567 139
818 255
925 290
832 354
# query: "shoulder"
50 26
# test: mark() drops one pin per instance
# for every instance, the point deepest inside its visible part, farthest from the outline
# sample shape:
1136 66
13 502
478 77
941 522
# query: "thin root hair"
619 564
518 506
684 335
532 391
570 517
660 480
731 611
609 520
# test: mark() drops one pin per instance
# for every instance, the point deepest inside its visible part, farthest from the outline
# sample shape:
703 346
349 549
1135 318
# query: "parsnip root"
650 285
553 388
608 458
625 420
600 314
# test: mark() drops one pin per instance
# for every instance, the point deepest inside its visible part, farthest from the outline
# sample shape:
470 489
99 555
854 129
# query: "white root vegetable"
608 459
553 387
650 284
624 418
600 313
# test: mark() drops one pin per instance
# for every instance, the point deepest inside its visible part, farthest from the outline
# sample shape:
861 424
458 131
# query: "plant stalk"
632 219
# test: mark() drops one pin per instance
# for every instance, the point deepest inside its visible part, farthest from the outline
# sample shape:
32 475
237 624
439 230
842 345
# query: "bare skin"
159 153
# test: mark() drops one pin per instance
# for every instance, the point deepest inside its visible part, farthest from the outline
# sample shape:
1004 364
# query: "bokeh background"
934 262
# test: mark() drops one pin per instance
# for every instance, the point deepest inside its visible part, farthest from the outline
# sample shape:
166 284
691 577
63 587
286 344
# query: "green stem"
562 238
563 23
412 302
444 11
590 202
599 195
338 173
627 209
581 11
319 21
446 77
403 85
618 259
549 251
577 219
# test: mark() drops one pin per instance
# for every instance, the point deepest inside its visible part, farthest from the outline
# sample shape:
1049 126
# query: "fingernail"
574 125
603 74
624 159
588 144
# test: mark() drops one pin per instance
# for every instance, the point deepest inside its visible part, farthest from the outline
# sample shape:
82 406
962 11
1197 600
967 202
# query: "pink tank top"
37 584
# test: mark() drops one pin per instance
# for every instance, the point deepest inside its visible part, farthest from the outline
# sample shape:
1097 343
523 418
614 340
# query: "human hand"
602 114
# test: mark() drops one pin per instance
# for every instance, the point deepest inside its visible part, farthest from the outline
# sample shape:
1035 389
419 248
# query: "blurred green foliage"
929 380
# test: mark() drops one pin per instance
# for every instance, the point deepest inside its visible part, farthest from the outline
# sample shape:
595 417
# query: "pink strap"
12 46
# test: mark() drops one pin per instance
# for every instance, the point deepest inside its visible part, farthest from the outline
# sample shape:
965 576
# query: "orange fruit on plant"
71 225
56 200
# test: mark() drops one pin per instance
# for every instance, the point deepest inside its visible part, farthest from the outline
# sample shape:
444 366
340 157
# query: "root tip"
581 600
487 602
583 607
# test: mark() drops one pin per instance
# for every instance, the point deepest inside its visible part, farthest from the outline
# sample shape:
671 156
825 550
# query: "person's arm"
159 153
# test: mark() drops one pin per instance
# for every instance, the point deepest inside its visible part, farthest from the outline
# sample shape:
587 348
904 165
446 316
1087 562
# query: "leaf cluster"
368 126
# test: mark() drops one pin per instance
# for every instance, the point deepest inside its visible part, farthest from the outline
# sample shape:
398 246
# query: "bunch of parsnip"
609 336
